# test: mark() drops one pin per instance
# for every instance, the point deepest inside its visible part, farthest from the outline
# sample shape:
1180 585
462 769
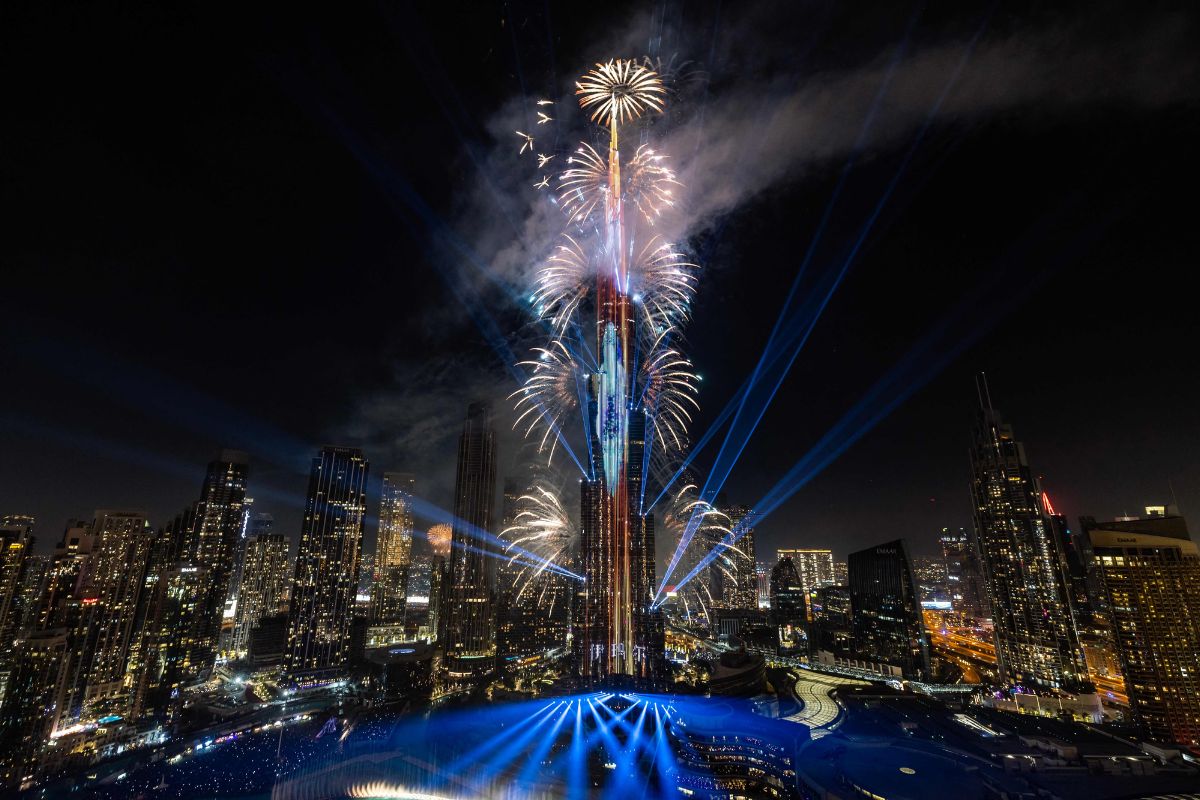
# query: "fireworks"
651 184
548 394
542 529
660 280
615 277
619 91
582 187
562 285
711 529
439 539
670 393
666 283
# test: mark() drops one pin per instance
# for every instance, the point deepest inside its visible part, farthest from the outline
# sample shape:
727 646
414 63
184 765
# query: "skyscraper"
1072 563
214 544
788 597
1149 570
1036 639
168 642
16 542
831 621
617 634
326 575
813 565
963 576
888 627
740 587
393 549
33 705
109 603
471 618
264 580
439 537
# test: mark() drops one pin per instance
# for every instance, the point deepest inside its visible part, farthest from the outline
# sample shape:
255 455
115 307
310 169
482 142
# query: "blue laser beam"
426 510
741 433
950 337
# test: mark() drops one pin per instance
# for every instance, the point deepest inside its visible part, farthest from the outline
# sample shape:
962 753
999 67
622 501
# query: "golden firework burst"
439 539
619 91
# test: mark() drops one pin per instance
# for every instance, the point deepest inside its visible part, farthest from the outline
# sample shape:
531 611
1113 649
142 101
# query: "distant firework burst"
439 539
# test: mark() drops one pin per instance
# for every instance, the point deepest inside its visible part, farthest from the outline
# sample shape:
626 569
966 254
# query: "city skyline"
398 414
580 401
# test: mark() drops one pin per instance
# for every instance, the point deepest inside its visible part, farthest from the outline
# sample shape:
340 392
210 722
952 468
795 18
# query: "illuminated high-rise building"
265 577
37 567
813 565
326 575
1073 559
168 645
439 537
393 548
59 601
1036 639
213 545
739 582
887 623
16 542
32 708
1149 571
471 618
963 577
831 621
226 646
171 649
788 595
108 598
618 636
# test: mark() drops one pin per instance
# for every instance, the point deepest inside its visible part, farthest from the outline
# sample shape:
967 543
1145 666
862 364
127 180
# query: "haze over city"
785 400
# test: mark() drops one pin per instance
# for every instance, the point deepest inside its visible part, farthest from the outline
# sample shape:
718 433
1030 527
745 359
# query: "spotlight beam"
426 510
420 219
741 433
954 333
853 253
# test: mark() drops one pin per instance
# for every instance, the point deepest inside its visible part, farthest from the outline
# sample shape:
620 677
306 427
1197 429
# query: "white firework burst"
541 528
650 187
562 284
669 391
619 90
649 184
549 393
583 186
665 286
710 528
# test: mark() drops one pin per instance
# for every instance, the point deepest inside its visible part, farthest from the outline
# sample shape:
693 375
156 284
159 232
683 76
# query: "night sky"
269 230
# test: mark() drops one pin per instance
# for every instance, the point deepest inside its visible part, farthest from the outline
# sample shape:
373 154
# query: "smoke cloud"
754 121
